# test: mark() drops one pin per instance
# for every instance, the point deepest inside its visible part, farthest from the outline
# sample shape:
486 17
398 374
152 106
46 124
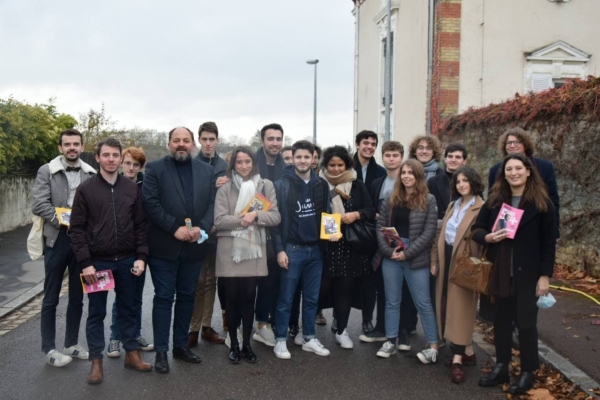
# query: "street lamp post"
314 62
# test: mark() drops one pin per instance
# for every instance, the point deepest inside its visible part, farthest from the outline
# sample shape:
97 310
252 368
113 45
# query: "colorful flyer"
105 282
330 225
509 219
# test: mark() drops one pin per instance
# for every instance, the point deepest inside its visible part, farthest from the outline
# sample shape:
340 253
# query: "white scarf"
246 241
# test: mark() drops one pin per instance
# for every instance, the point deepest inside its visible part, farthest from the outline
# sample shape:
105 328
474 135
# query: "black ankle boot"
498 375
248 354
234 355
522 384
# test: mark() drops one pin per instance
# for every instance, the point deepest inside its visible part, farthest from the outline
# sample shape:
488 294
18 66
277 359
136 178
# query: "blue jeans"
124 288
306 265
169 277
115 330
56 260
268 292
394 273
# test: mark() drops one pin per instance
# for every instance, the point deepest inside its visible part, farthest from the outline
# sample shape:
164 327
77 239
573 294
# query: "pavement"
349 374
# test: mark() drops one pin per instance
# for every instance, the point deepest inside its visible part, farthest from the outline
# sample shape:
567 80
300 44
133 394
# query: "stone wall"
574 149
15 202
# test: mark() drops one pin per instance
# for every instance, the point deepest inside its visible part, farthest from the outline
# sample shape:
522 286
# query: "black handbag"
361 236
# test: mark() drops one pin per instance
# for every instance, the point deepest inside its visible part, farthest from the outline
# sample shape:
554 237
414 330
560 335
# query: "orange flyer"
258 203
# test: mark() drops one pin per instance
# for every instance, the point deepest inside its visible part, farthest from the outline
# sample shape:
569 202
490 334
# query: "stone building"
450 55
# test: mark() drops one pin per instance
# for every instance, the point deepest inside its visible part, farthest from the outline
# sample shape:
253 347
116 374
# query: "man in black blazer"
176 187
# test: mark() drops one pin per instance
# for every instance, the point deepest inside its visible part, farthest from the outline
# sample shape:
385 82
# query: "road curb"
549 357
21 300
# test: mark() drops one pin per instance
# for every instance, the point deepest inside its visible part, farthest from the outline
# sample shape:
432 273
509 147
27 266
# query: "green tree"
29 135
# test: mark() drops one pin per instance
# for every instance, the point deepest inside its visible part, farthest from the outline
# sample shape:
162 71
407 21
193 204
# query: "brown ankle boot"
133 360
96 375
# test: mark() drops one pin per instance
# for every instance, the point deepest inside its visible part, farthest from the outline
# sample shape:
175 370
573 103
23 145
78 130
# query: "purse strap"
467 249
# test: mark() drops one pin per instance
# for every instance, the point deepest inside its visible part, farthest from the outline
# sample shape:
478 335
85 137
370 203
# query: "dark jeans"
305 265
124 288
506 313
295 315
115 330
56 261
169 277
268 293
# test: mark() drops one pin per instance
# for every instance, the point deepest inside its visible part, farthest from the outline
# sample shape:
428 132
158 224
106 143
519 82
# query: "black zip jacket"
108 221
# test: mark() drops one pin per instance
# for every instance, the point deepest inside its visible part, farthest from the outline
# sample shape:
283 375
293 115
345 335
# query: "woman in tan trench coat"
456 306
241 248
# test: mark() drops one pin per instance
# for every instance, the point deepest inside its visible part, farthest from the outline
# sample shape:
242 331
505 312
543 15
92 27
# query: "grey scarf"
430 169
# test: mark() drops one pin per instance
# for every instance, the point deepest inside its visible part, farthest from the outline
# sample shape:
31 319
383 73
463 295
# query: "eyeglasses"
130 164
424 148
513 142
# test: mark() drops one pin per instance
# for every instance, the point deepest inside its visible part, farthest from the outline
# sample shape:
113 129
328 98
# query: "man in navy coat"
176 187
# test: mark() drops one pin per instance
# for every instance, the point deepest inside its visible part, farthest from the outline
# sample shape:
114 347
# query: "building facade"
450 55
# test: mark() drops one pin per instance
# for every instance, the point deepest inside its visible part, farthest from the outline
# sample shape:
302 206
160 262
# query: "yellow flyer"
330 225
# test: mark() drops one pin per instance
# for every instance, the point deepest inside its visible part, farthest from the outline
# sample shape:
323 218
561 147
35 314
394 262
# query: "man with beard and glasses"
119 246
55 186
177 188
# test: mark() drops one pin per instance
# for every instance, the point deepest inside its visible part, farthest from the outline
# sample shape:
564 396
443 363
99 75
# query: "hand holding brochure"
105 282
330 225
63 215
258 203
392 237
509 219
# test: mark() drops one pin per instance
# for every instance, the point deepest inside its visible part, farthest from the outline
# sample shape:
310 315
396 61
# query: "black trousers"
506 313
240 291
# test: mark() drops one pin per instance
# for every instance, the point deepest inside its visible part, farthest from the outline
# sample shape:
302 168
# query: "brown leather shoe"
193 339
457 373
134 361
212 336
96 374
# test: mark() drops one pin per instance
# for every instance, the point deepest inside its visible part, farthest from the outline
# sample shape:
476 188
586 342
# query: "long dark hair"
417 199
246 150
535 192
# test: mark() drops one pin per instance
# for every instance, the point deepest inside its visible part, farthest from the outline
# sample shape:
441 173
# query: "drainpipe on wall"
388 72
356 36
430 63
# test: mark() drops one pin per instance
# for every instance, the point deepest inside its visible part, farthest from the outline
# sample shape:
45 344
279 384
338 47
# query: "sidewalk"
20 278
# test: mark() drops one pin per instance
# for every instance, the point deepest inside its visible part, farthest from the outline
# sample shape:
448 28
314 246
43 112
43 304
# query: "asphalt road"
346 374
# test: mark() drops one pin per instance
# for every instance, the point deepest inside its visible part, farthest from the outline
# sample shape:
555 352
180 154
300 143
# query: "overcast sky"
158 64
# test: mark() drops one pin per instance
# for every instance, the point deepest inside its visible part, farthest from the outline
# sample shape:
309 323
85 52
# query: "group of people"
187 219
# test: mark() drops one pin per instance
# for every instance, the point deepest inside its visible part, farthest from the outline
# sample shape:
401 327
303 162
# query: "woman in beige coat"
241 248
457 306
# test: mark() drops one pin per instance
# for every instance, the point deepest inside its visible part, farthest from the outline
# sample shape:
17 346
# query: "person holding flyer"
120 246
241 249
523 266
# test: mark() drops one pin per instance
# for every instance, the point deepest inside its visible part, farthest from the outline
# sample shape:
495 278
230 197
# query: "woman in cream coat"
456 306
241 247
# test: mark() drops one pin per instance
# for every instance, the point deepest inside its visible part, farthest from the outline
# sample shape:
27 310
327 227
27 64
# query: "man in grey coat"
55 186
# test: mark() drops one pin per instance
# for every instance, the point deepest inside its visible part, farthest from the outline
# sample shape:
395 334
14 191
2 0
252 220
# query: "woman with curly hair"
412 211
344 263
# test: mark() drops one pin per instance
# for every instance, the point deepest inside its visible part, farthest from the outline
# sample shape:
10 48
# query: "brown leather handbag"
472 273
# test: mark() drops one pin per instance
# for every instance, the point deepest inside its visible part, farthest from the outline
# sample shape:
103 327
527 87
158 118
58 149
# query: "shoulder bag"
472 273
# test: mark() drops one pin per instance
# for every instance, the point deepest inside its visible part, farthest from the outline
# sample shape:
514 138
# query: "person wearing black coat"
345 265
367 169
522 266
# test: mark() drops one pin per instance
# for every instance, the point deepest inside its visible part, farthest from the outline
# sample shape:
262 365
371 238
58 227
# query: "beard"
180 157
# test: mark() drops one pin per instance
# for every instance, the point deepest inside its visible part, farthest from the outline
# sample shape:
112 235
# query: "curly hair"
336 151
472 176
535 189
416 199
520 134
432 141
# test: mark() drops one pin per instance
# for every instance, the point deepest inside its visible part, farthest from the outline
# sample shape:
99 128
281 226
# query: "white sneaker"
265 335
281 350
344 340
76 351
143 344
239 336
299 339
315 346
427 356
57 359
